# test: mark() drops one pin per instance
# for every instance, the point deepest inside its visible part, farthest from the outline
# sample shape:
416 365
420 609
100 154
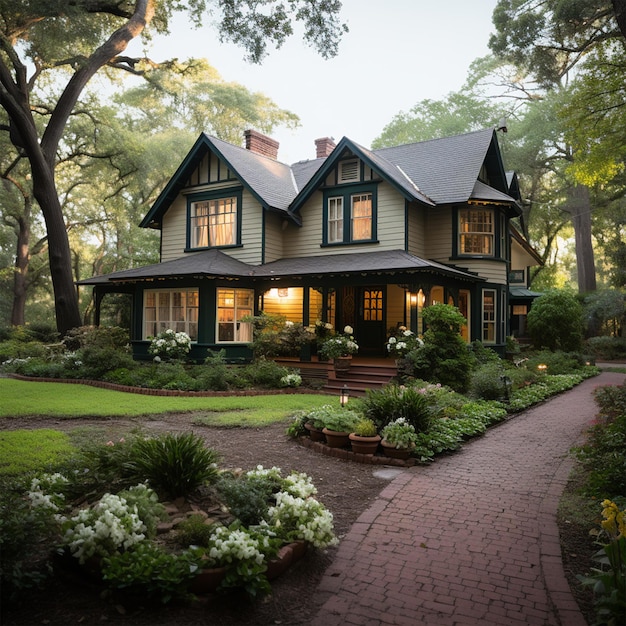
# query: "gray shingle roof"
215 263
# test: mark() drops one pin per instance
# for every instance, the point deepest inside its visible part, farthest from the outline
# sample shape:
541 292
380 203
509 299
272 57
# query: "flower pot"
279 564
299 548
207 580
342 364
316 434
395 453
336 438
364 445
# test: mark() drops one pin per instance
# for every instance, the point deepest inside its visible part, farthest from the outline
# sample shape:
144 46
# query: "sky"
397 53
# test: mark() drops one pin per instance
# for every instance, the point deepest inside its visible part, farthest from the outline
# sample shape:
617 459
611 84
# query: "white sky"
397 53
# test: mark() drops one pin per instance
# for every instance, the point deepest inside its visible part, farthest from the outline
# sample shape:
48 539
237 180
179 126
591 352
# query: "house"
358 237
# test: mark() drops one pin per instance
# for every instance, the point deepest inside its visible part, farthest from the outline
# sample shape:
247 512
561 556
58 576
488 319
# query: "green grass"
29 450
25 399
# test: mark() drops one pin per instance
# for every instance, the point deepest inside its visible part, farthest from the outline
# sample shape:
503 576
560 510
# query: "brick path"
471 539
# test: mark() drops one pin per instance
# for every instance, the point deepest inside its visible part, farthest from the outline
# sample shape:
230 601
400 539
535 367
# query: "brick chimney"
261 144
324 147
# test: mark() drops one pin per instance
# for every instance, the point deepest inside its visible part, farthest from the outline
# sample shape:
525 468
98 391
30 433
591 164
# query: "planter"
342 364
395 453
364 445
316 434
299 548
279 564
207 580
336 438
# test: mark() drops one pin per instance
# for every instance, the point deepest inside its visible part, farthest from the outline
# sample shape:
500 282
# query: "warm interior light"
283 292
413 299
345 394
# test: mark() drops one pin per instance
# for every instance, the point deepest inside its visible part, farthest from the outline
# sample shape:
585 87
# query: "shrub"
444 358
399 433
263 373
557 362
175 464
214 374
193 531
394 401
274 335
247 497
365 427
487 382
96 361
97 337
169 345
555 321
609 348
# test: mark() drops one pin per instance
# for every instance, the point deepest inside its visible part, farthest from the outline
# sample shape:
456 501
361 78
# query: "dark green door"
370 330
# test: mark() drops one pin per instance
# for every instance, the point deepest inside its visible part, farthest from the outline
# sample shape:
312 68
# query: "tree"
555 321
57 47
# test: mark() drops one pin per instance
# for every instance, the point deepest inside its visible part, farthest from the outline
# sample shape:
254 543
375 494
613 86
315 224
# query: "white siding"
305 240
390 218
417 230
438 243
493 271
174 230
273 236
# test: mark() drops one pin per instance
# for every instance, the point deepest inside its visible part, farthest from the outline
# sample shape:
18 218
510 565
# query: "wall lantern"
345 394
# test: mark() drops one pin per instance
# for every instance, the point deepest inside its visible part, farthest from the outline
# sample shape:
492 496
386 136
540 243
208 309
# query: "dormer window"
213 220
349 171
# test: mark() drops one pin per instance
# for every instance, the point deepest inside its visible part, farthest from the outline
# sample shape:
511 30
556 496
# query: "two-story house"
358 237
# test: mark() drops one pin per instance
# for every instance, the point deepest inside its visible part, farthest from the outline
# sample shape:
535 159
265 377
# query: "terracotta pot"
395 453
364 445
316 434
207 580
336 438
342 363
279 564
299 549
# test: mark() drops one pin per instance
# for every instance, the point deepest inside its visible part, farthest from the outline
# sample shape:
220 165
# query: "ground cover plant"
23 450
119 528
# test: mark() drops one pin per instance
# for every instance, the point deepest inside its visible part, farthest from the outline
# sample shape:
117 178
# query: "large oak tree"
54 48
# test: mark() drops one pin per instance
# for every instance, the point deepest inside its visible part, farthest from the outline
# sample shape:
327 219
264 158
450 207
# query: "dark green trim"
500 225
406 225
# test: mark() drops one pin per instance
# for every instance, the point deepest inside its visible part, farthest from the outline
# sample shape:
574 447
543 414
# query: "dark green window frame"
498 234
205 196
346 193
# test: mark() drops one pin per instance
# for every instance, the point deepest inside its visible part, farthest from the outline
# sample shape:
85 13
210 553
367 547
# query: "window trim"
493 323
347 192
494 232
171 323
222 194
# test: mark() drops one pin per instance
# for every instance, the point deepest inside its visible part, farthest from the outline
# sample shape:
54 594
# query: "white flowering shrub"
46 492
169 345
291 380
107 527
403 342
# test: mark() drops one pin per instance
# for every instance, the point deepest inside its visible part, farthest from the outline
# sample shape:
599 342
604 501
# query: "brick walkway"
471 539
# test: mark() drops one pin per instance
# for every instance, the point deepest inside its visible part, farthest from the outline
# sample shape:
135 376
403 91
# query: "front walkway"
471 539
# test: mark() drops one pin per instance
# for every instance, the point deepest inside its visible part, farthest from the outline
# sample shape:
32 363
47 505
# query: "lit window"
232 306
361 220
213 223
176 310
476 232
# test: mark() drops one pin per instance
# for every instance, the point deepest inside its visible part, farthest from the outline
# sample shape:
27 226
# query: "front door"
370 325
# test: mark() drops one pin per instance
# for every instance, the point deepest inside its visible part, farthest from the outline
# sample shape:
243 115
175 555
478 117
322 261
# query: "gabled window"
350 215
476 232
214 220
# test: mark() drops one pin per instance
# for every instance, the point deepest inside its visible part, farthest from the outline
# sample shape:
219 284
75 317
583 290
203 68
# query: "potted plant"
365 438
398 438
338 424
340 349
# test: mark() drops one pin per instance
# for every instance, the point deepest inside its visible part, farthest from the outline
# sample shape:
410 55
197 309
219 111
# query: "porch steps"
360 377
363 374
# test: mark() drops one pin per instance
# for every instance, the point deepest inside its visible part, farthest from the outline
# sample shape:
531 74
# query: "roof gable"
269 181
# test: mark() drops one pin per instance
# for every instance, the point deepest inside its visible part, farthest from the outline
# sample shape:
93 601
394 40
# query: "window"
177 310
476 232
489 316
232 306
335 220
350 217
361 217
214 219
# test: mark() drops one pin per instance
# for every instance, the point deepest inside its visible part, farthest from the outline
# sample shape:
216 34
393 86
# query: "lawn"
24 399
23 451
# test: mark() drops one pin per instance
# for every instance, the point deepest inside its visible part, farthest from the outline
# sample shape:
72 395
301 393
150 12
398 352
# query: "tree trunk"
22 259
579 207
619 6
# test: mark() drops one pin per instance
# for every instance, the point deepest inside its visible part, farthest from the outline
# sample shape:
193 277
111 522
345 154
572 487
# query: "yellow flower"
614 522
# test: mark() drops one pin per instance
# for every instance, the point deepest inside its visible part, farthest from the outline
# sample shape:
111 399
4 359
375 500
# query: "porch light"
413 299
283 292
343 397
421 298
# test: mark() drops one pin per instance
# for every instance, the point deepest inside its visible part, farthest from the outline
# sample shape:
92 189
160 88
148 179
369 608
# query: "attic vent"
348 171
